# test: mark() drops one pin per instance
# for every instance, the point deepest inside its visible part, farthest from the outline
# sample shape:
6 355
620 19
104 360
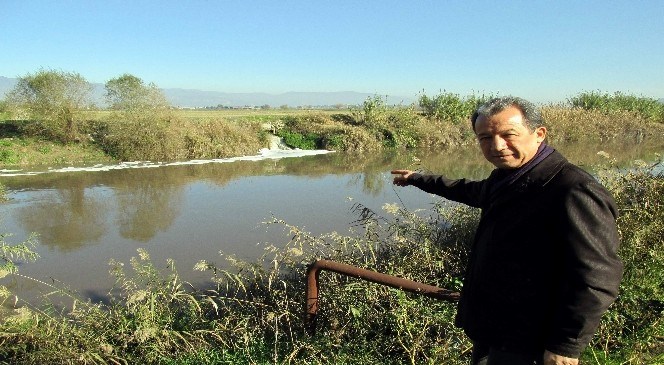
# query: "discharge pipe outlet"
375 277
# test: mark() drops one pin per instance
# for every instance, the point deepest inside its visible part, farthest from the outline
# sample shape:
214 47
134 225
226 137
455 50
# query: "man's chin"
506 165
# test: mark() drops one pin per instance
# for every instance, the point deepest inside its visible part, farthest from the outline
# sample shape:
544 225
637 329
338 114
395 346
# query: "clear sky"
545 51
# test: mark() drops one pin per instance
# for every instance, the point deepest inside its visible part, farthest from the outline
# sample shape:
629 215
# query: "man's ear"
541 134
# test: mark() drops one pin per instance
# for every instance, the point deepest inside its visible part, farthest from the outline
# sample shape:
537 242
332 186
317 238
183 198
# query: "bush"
221 139
8 157
310 131
52 100
143 138
158 138
310 141
451 108
647 108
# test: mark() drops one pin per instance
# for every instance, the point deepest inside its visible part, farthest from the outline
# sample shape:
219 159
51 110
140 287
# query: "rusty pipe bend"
314 269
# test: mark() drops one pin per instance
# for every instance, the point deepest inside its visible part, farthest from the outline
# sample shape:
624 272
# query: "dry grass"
571 125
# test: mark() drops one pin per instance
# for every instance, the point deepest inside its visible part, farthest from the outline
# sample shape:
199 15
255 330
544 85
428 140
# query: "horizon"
176 100
543 52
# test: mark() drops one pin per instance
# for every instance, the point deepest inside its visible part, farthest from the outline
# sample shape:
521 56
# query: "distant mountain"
200 98
6 84
191 98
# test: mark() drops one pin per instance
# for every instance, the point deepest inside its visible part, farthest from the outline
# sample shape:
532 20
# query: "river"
189 211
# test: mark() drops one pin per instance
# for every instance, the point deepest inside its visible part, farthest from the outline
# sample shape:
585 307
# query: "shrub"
310 131
220 139
52 100
8 156
9 254
647 108
451 108
139 139
157 138
310 141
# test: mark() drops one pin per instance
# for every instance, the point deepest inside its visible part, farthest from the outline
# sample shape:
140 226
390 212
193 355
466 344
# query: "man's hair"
531 115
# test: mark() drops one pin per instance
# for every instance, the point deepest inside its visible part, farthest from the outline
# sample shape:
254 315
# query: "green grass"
647 108
31 151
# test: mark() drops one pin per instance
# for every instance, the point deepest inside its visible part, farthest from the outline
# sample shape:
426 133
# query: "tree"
129 93
52 99
140 122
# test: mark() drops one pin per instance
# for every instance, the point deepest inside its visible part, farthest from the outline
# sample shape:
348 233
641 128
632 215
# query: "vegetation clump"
51 101
647 108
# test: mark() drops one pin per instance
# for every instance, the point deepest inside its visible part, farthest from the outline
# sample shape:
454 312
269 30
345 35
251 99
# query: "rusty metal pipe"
393 281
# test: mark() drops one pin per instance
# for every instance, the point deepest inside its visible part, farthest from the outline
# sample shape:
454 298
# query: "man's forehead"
515 122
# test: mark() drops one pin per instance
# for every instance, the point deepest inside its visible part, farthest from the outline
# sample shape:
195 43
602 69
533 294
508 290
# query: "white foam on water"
264 154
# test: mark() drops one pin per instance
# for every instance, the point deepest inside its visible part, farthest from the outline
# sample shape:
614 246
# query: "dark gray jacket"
543 267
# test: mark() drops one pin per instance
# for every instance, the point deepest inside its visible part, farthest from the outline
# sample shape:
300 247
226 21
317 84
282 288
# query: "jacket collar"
537 177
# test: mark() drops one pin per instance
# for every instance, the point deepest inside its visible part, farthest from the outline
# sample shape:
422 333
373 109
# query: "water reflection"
66 219
147 203
191 212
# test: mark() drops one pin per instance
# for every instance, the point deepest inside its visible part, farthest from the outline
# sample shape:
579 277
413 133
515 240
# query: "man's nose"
498 143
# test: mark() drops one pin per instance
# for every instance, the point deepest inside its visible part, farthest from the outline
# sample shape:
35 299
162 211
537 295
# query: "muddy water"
86 216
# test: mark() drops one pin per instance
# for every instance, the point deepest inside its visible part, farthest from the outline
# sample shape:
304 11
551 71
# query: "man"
543 266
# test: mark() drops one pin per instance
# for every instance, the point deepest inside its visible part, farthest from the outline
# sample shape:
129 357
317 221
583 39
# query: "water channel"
190 211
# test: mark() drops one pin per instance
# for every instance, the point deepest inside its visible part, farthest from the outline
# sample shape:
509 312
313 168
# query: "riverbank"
178 135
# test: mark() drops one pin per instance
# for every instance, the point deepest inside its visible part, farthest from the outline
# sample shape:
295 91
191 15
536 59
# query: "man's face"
505 140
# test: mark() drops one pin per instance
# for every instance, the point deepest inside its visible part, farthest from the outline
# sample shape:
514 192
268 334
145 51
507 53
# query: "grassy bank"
168 135
253 314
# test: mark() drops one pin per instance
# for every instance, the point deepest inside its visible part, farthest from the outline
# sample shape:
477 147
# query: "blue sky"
545 51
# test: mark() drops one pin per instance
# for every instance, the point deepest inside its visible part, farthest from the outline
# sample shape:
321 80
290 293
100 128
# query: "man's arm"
461 190
401 178
590 268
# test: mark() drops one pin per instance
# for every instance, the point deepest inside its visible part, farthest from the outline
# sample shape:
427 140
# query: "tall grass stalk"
4 196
